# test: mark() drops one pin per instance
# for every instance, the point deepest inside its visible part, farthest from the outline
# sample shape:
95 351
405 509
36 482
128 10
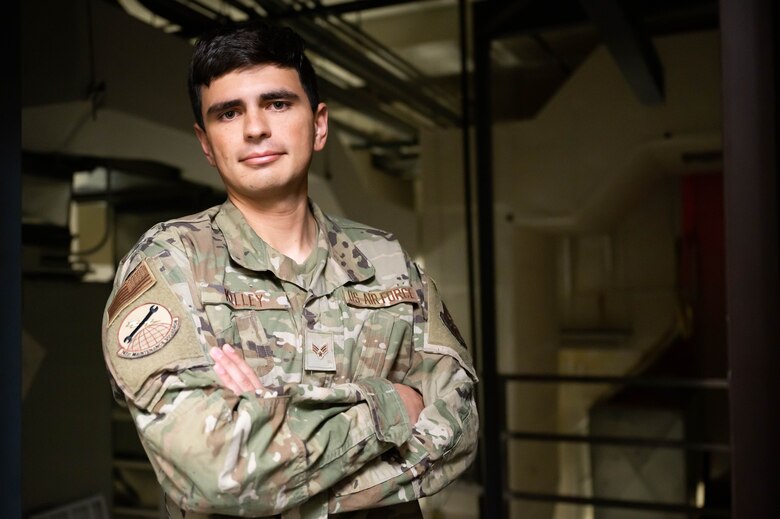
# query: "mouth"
261 158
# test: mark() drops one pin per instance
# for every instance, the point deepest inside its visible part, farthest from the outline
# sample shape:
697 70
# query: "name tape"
257 300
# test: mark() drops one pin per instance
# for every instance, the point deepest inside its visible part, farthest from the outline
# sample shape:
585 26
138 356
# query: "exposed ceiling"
389 68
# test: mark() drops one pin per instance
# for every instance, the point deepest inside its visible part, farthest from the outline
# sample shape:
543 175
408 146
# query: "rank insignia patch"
320 351
319 354
145 330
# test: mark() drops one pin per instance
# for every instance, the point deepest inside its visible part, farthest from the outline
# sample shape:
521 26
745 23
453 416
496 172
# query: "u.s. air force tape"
380 298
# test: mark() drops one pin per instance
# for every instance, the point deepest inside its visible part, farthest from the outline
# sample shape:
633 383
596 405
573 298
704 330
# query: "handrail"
666 382
619 503
618 440
643 381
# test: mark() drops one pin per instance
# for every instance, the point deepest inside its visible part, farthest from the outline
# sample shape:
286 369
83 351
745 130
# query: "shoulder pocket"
385 318
443 336
149 336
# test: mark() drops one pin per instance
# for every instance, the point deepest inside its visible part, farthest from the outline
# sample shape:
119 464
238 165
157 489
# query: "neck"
287 225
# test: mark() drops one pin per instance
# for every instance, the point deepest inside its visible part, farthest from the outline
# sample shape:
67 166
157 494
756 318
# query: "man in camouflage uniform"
276 360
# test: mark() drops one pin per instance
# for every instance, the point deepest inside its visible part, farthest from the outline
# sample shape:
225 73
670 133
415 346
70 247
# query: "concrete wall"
588 155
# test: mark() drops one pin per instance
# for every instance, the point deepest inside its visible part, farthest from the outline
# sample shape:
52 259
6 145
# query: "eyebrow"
282 93
265 96
224 105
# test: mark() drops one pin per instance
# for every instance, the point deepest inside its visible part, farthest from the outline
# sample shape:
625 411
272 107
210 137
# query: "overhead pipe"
361 38
365 104
351 59
345 8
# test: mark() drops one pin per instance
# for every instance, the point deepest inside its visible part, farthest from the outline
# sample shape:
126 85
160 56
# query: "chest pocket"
258 325
383 343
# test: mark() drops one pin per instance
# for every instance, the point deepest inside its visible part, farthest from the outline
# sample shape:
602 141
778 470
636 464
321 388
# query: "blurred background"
557 166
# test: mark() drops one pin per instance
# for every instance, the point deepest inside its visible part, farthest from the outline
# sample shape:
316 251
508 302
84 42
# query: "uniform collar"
346 262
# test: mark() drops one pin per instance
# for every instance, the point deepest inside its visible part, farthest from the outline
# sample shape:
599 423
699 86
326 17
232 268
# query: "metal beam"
630 46
365 104
521 17
493 407
369 140
380 79
628 504
468 198
192 21
362 40
344 8
62 166
623 441
507 15
11 266
750 53
387 75
528 17
660 382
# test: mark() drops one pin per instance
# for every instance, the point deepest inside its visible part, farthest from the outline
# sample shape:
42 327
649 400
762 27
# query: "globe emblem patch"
145 330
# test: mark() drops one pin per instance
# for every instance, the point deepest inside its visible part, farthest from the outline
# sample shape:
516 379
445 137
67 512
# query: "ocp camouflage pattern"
311 442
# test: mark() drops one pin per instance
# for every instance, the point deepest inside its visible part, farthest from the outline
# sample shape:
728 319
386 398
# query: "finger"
226 380
222 374
246 370
226 371
236 369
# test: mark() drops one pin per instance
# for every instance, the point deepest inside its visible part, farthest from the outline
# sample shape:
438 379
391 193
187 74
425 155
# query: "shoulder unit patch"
146 329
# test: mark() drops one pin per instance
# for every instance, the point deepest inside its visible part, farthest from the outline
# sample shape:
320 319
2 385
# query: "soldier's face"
260 132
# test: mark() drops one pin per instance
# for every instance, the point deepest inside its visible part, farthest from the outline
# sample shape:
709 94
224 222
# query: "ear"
200 133
320 126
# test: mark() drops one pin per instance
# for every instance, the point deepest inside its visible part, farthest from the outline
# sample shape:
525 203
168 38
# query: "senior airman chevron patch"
319 354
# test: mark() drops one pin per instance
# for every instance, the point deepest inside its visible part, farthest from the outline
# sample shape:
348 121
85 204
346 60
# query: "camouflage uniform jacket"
328 427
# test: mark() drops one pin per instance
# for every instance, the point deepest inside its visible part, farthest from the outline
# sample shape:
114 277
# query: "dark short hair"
238 46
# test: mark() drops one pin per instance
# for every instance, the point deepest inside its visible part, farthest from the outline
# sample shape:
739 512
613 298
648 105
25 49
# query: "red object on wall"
703 269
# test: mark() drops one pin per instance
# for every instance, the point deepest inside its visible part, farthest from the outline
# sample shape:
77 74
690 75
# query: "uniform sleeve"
213 451
444 439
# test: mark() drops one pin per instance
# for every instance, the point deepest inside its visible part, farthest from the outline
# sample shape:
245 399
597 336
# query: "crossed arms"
236 375
220 442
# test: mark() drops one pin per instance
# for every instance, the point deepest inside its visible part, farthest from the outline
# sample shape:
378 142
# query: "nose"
256 125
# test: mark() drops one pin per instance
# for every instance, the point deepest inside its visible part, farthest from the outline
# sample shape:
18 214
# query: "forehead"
253 80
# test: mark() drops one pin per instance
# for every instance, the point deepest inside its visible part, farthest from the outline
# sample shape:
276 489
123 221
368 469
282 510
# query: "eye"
227 115
279 105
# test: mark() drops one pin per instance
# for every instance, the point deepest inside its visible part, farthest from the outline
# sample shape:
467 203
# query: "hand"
412 401
233 371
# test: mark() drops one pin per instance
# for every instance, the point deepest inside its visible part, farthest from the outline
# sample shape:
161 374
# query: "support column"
492 409
750 34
